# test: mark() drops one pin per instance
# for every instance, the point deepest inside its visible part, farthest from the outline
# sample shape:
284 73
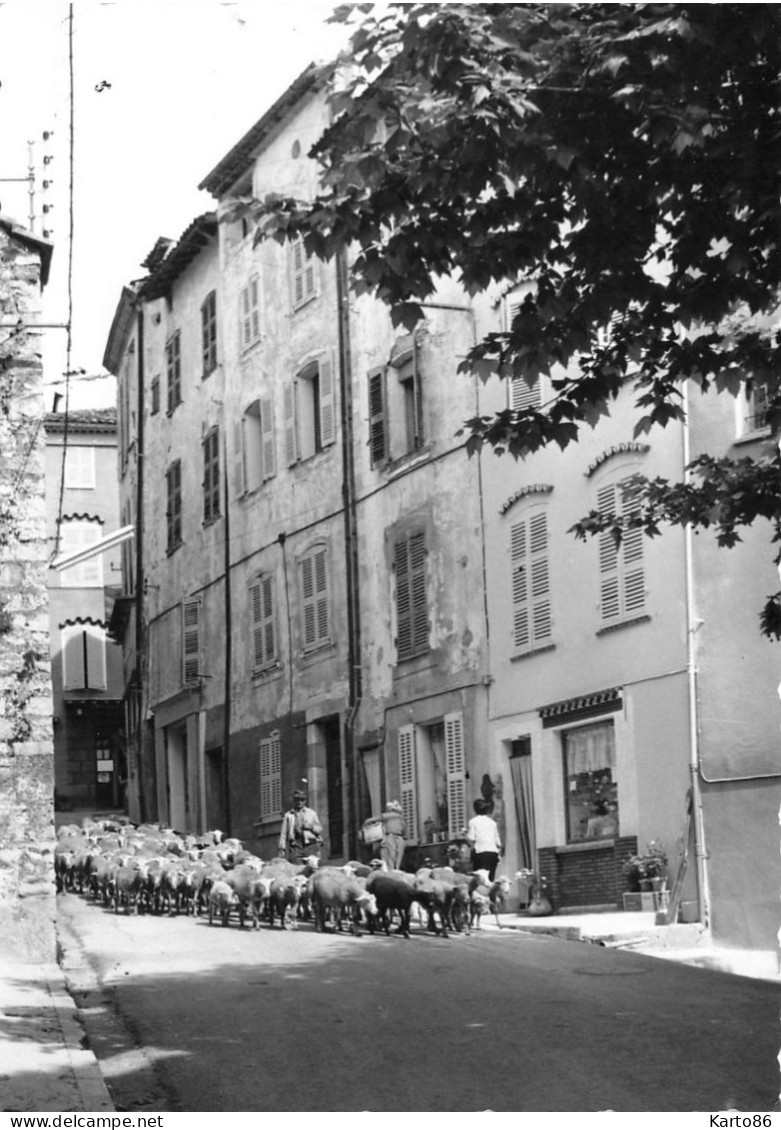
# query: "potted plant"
647 871
535 884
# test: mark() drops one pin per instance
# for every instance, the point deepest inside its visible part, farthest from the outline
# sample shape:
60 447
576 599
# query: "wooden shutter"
211 475
321 595
378 438
540 578
523 394
456 772
408 781
520 586
291 445
417 393
412 620
271 775
254 298
269 456
610 597
297 273
246 320
239 467
327 404
262 609
314 597
191 641
632 561
73 659
95 656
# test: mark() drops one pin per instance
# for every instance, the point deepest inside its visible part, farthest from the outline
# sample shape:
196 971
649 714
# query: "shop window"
591 787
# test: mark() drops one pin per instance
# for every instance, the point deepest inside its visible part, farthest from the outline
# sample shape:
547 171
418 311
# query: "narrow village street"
187 1017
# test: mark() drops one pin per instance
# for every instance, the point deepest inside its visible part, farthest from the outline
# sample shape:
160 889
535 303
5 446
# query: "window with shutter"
270 776
456 773
191 642
412 611
377 422
249 309
173 480
78 533
303 276
621 569
155 396
403 391
211 475
209 334
73 658
530 574
264 648
313 572
173 363
79 467
407 782
310 410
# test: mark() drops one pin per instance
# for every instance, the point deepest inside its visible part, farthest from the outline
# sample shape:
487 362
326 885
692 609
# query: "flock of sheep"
156 870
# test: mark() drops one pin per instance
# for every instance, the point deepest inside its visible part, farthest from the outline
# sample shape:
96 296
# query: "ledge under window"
267 673
584 845
406 462
623 624
532 652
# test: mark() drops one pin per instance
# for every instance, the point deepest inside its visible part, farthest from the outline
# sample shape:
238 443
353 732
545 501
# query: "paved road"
188 1017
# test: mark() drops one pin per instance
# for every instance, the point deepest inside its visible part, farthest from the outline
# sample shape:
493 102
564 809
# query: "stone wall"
27 901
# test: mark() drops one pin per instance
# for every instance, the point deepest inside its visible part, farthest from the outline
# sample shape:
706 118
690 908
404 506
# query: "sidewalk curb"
90 1084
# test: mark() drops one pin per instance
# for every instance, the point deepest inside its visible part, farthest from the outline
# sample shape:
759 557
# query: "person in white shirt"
483 835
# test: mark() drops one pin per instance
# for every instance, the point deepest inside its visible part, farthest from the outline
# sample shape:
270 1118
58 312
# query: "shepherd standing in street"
393 832
301 833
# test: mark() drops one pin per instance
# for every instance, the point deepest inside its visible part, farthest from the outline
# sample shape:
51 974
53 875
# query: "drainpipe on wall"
226 732
692 626
355 682
140 642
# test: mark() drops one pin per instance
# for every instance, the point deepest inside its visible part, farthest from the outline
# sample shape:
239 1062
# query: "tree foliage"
623 156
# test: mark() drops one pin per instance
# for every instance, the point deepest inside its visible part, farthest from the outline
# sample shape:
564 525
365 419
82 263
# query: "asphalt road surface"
187 1017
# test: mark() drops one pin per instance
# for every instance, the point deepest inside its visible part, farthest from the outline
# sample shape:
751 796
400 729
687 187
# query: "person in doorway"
393 832
483 835
301 833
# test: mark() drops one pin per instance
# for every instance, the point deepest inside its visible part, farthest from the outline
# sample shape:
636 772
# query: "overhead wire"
69 321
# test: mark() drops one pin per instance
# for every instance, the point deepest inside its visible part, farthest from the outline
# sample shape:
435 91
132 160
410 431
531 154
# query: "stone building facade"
26 752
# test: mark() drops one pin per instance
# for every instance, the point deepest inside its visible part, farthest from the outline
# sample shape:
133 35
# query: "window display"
591 800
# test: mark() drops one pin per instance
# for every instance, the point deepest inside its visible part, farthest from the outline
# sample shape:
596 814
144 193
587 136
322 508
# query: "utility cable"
69 322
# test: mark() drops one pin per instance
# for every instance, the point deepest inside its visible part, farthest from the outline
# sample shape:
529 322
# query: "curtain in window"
591 748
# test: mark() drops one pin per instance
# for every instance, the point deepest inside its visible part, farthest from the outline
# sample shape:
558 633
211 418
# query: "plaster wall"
27 907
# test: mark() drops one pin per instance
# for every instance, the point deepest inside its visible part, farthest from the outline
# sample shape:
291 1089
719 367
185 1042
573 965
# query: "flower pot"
645 885
658 883
539 907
